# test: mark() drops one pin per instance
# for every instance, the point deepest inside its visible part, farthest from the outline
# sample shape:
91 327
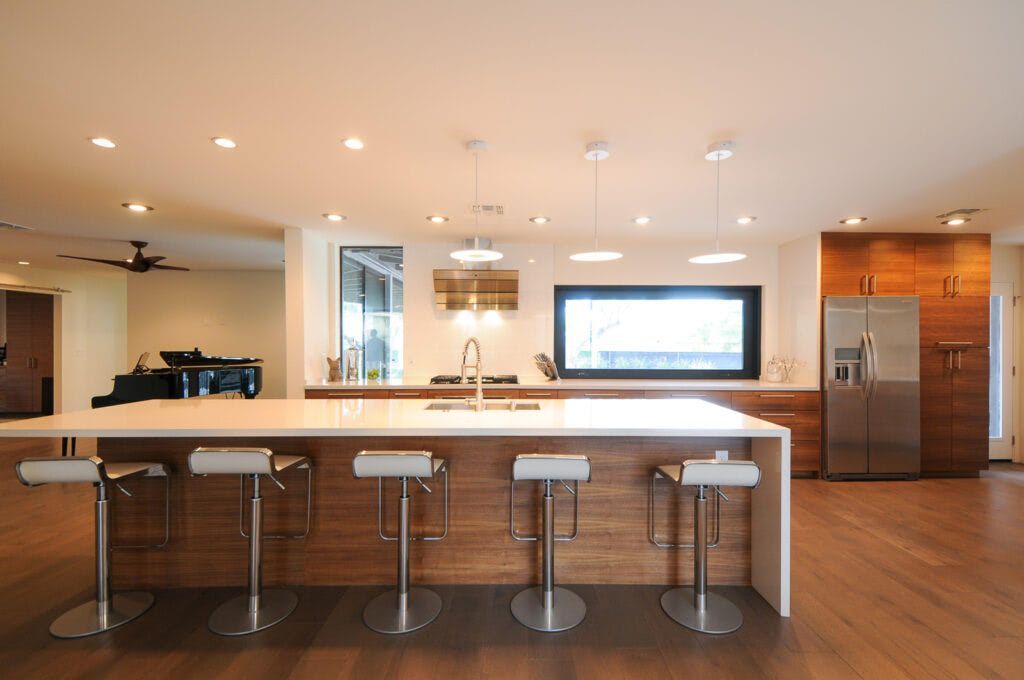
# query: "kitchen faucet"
479 371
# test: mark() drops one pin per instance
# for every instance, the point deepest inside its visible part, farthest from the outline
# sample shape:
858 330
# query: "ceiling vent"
960 211
476 289
488 209
10 226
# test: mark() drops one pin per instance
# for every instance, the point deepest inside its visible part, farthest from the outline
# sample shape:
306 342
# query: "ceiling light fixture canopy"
476 249
596 151
718 152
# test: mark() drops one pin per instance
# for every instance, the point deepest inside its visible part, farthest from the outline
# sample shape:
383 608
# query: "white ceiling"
898 111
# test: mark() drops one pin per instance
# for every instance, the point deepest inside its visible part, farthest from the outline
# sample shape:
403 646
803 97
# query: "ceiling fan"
138 264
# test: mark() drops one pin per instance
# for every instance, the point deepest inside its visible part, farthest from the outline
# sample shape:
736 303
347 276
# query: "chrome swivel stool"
548 608
259 608
695 607
108 610
404 609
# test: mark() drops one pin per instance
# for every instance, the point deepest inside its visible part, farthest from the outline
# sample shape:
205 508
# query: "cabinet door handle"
872 284
777 415
946 287
407 394
949 357
344 394
600 394
959 355
864 285
777 396
538 394
956 285
954 342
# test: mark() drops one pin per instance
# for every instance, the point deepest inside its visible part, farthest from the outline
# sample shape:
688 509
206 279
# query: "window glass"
372 287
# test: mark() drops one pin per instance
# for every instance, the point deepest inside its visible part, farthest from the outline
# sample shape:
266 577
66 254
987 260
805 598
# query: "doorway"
26 354
1001 426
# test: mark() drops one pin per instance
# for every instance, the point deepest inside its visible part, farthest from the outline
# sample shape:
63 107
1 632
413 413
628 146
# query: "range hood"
476 289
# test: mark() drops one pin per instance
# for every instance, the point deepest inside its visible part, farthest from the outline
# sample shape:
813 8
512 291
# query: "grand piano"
188 374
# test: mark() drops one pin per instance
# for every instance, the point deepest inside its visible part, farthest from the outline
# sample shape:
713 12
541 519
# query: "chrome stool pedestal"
548 608
259 608
405 608
695 607
107 610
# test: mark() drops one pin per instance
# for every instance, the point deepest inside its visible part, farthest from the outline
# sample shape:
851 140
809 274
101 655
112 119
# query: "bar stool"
695 607
547 608
258 609
404 609
108 610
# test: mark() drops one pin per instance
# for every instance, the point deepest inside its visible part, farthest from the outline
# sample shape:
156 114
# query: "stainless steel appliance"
872 388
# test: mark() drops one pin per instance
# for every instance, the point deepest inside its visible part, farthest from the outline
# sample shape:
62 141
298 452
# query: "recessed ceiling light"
103 142
746 219
531 260
540 219
353 143
437 219
224 142
136 207
24 262
334 217
642 220
956 221
853 220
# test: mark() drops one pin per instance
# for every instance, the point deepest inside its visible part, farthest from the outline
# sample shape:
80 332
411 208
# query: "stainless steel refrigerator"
872 388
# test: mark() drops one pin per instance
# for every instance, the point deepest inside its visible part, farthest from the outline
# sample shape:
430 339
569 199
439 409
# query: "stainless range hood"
476 289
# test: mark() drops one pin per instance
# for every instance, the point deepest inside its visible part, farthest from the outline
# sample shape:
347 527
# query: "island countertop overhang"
356 417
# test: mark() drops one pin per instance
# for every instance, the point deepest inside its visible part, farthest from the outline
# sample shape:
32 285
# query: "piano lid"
195 357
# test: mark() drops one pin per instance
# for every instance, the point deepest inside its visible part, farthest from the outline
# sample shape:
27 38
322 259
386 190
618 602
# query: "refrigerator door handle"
874 367
869 366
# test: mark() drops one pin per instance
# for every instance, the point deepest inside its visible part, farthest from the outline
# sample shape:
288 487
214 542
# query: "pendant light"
476 249
597 152
718 152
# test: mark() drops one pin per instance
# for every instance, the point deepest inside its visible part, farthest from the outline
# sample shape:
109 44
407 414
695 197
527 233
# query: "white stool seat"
395 464
542 466
92 470
712 472
240 461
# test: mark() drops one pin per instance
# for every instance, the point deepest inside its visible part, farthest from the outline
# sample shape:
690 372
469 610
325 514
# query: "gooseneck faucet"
479 371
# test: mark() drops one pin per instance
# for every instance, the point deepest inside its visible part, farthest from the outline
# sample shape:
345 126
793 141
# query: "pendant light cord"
476 200
596 162
718 198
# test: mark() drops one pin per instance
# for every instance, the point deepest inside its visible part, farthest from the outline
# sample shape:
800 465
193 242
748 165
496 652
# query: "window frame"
751 296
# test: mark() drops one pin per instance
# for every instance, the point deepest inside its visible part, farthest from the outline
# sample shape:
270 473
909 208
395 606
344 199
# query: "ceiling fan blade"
153 259
167 266
117 263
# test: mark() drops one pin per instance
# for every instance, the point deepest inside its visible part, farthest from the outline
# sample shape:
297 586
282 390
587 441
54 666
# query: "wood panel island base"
625 440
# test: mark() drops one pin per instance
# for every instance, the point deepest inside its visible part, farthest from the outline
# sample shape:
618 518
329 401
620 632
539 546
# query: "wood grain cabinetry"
29 351
345 393
867 264
598 394
969 440
713 396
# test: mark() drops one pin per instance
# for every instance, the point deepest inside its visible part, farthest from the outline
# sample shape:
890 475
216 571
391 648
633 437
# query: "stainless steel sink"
504 405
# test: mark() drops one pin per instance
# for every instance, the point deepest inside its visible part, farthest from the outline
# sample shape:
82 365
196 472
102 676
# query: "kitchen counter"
625 439
423 382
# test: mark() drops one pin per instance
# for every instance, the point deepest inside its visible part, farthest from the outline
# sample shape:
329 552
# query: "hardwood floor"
890 579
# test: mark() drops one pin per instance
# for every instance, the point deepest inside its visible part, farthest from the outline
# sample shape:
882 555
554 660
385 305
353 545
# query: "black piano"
188 374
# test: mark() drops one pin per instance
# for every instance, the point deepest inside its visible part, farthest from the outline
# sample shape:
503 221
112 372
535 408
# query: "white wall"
434 337
225 313
1007 265
800 306
308 315
90 329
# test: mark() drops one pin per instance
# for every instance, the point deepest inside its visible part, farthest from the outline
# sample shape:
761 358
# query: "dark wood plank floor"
890 580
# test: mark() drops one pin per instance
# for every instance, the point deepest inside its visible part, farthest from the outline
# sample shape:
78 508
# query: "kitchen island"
625 440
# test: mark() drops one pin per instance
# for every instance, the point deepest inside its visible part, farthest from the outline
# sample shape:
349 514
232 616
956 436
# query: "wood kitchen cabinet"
954 409
867 264
960 320
952 266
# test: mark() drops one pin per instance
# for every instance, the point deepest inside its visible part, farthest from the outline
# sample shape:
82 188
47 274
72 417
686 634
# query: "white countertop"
538 383
396 417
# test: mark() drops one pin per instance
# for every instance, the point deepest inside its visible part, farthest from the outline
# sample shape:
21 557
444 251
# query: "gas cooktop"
487 380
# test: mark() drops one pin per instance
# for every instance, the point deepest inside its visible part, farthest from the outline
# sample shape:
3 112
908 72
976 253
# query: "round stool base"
721 615
382 614
234 618
84 620
567 609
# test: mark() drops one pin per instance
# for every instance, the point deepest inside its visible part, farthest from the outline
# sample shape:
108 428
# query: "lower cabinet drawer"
804 425
719 398
805 457
538 394
599 394
775 401
346 394
461 393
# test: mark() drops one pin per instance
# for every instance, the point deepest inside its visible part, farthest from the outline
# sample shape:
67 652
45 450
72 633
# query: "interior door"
1002 381
894 404
19 374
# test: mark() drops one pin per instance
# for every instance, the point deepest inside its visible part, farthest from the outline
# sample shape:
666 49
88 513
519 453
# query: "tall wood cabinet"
951 274
29 351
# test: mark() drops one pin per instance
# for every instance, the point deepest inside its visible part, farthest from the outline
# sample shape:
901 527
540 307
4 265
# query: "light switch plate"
721 455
